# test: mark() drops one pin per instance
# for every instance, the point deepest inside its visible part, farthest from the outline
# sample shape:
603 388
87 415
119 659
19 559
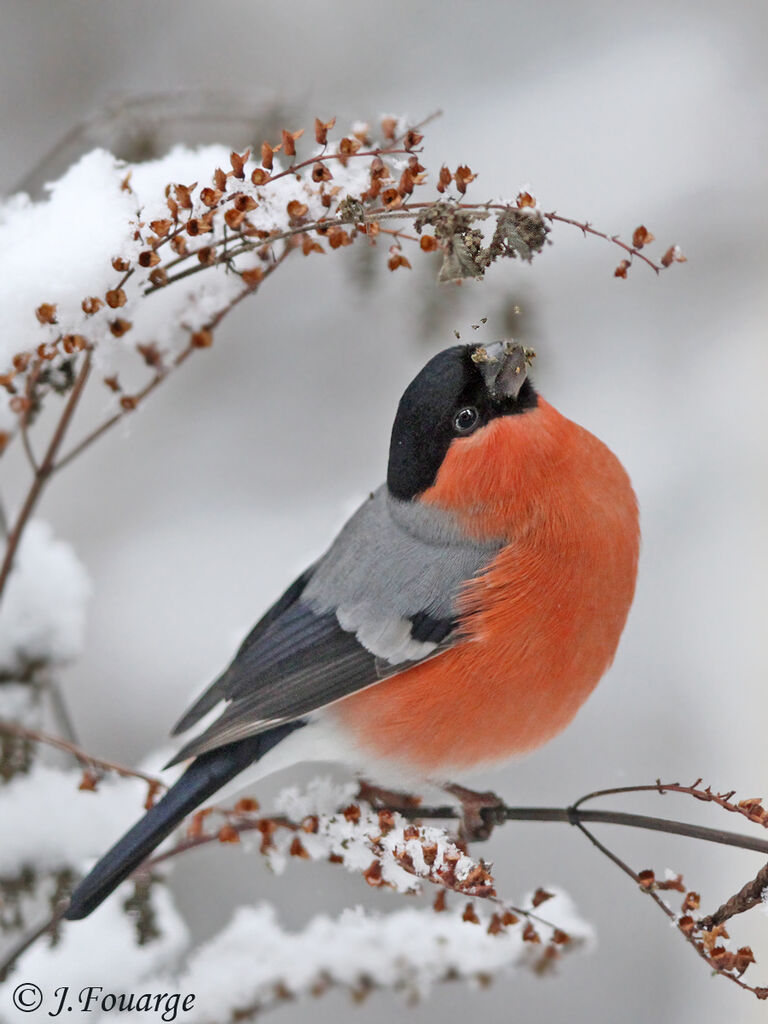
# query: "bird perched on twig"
460 618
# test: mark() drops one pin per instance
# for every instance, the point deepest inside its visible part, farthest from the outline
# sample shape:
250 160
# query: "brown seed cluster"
222 224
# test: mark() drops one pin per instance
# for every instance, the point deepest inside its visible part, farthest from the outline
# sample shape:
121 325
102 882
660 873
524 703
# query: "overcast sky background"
239 471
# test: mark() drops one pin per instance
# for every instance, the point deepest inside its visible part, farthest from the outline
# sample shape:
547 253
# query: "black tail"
207 774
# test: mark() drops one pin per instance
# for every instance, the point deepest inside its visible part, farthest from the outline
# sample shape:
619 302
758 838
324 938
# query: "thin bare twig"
43 471
80 755
116 417
46 928
24 418
586 228
574 816
61 714
752 809
690 938
161 375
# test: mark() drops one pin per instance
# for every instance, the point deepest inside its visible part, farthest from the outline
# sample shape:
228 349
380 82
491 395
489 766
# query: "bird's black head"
458 392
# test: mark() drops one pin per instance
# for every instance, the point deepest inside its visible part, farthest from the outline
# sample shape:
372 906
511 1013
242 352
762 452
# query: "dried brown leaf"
349 146
691 901
320 173
289 141
161 227
444 179
253 276
463 177
119 327
673 255
412 139
46 313
541 896
150 353
372 874
298 849
210 196
159 277
234 218
260 176
89 782
238 162
389 128
470 914
296 209
228 834
183 195
641 236
202 338
321 130
91 305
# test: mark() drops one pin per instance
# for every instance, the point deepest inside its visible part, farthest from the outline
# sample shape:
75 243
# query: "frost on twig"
254 963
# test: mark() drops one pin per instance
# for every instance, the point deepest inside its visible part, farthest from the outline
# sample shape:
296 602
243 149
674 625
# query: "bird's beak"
504 366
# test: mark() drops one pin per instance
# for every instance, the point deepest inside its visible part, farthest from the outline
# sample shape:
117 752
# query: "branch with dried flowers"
341 192
45 468
415 851
394 848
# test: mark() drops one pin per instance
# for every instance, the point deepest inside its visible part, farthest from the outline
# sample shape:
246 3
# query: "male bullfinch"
460 618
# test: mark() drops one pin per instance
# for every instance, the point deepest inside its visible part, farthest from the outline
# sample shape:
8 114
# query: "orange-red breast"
460 618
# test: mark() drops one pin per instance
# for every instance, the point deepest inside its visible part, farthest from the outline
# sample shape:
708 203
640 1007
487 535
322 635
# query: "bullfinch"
459 619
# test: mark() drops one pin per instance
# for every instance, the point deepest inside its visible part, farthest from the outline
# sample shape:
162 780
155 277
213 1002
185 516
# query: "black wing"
293 662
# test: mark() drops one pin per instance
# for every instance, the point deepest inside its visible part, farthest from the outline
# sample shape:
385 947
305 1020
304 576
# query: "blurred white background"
228 481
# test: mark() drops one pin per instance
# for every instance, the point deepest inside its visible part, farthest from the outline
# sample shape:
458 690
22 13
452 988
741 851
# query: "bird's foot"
380 798
480 812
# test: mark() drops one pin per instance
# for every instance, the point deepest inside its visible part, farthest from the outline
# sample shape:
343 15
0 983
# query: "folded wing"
381 599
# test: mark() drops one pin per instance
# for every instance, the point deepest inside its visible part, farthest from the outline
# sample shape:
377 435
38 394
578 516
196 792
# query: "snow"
359 838
322 796
102 950
43 618
254 961
59 250
49 824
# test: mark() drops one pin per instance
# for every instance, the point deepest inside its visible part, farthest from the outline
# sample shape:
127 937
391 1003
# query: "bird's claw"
480 812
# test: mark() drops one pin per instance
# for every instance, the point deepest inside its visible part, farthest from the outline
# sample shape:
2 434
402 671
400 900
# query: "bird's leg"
380 798
479 812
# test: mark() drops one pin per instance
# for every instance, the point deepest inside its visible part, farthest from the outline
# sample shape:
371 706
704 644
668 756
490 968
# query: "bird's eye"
465 420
